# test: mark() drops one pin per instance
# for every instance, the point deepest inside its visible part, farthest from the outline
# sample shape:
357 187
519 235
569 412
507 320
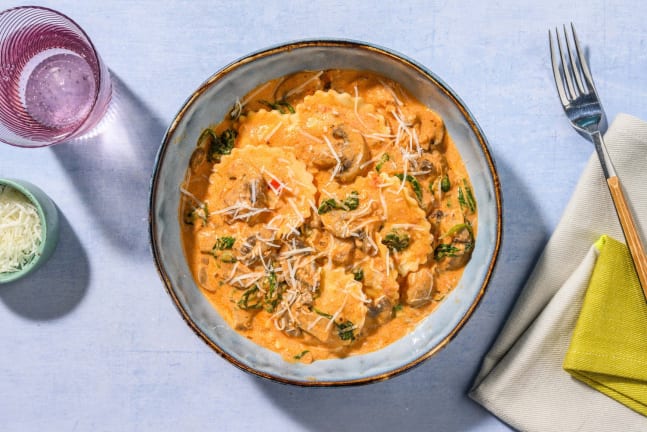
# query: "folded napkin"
522 380
608 349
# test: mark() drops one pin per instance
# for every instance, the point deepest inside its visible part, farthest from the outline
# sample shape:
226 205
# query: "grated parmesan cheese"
304 84
337 168
20 230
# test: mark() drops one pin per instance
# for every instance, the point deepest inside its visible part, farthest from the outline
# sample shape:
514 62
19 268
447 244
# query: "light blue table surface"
92 341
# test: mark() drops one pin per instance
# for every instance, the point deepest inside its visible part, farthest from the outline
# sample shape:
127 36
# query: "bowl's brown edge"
327 43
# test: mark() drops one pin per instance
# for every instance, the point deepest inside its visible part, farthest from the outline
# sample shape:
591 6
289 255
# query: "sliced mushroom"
456 253
197 158
253 250
464 242
343 251
248 189
431 130
419 288
202 276
351 151
243 318
363 243
381 310
435 162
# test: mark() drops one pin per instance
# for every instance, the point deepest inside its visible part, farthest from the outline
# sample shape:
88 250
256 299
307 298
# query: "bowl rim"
328 43
21 187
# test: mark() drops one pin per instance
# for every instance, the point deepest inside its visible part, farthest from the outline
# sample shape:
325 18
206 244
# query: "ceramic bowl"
49 226
212 101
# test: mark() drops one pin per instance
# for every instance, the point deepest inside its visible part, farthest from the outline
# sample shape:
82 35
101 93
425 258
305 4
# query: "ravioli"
327 215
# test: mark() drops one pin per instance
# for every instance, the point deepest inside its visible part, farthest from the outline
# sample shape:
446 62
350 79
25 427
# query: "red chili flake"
275 184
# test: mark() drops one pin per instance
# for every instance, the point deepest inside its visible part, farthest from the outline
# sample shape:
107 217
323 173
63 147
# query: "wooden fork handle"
630 230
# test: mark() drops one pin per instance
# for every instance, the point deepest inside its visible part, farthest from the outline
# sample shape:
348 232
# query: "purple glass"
54 87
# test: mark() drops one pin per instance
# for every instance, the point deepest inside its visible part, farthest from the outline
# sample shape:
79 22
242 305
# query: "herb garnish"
227 257
254 298
301 354
201 212
471 202
247 303
224 243
397 308
323 314
327 205
281 106
456 247
345 330
396 240
273 294
458 227
445 185
445 250
358 275
385 157
414 184
351 202
461 198
217 145
465 197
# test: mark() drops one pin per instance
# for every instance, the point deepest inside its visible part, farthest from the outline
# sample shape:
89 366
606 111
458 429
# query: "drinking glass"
54 87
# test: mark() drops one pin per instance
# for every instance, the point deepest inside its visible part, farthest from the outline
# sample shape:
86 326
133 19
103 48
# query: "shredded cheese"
337 168
277 180
193 197
291 253
310 136
297 213
390 90
252 95
367 163
271 133
385 209
371 242
312 206
20 230
304 84
338 311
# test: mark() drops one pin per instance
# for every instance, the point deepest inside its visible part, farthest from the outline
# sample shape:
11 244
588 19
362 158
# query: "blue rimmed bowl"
210 103
48 215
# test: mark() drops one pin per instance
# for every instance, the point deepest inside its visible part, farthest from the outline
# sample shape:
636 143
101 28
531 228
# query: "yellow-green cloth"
608 349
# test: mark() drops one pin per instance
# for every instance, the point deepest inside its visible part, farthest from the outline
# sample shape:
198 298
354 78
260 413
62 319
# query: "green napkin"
608 349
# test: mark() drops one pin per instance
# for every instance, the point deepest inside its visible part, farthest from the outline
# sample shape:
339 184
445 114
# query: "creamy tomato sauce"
327 214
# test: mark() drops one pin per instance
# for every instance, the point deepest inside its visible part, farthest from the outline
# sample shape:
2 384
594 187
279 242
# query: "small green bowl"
49 225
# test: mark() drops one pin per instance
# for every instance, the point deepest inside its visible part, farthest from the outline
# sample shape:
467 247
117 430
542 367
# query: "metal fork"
582 106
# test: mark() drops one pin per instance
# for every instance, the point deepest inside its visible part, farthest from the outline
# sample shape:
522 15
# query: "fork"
583 108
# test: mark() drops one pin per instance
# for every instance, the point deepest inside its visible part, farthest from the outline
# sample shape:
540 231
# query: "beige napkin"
521 380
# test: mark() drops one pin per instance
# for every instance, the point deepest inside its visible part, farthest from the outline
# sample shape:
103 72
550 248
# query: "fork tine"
559 83
566 67
576 71
583 63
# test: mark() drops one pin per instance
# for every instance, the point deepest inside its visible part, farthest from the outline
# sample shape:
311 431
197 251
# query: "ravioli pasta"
327 214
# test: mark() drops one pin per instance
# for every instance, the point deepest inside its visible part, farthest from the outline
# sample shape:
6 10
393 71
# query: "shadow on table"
433 396
55 289
112 169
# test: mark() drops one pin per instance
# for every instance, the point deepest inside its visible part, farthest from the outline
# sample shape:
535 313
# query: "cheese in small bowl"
28 229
